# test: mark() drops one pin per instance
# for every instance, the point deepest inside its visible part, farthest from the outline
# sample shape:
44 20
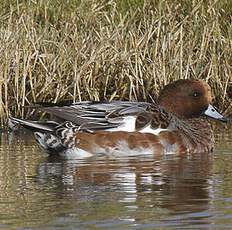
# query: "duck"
178 123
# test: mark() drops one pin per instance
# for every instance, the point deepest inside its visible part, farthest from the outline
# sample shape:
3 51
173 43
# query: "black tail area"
42 126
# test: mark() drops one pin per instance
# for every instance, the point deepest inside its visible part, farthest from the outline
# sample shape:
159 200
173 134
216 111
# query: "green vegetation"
73 50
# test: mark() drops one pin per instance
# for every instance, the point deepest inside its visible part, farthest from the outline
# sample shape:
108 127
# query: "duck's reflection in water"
179 184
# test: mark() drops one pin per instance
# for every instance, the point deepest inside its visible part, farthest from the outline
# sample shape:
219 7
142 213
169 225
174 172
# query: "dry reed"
54 51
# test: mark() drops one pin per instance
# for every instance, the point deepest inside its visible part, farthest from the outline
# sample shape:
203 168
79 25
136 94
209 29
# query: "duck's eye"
195 94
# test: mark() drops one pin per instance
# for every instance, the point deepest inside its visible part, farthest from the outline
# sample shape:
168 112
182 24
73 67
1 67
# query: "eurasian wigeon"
177 124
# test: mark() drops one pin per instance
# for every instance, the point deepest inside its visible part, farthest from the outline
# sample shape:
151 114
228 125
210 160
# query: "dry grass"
53 51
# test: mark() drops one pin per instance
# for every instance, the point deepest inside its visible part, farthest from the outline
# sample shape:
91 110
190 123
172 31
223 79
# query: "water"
169 192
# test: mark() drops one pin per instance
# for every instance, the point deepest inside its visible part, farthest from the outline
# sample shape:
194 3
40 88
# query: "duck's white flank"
75 153
122 149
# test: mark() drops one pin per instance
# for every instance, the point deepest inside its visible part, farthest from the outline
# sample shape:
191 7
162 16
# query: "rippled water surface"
142 192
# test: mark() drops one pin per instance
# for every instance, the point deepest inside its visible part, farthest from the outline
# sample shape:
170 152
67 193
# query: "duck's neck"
200 130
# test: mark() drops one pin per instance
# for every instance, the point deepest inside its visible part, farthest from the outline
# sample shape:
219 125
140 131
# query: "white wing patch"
148 129
128 125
